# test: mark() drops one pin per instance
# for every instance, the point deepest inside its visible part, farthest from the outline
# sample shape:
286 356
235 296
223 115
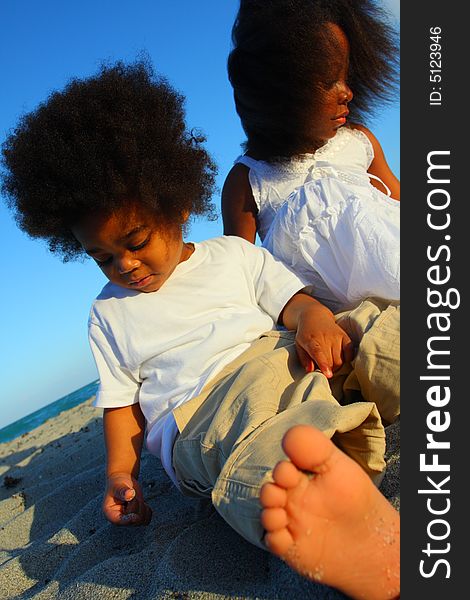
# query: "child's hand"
123 502
321 342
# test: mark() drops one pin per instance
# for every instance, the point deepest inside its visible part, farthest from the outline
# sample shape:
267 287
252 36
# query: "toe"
308 448
272 496
279 542
273 519
286 475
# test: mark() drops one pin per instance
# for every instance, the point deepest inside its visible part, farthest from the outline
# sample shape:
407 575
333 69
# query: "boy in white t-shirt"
184 334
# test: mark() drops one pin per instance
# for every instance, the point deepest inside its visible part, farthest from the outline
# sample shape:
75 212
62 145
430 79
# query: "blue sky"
44 303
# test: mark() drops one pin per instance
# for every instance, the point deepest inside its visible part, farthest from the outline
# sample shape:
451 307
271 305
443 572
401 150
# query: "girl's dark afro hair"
279 52
115 137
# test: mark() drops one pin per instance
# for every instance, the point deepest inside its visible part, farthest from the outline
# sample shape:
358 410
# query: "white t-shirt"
161 348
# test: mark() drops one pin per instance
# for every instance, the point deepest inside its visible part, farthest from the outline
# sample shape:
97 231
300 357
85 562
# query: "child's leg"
334 526
229 446
374 326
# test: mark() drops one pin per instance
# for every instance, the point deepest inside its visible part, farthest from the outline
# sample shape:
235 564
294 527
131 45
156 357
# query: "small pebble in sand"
9 481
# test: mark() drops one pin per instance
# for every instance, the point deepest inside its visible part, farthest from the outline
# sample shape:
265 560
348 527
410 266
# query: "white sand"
55 543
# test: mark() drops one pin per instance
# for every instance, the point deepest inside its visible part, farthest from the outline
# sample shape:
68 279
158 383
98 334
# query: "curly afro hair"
117 136
277 64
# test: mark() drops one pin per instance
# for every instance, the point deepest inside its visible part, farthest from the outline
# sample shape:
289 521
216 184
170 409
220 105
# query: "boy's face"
131 250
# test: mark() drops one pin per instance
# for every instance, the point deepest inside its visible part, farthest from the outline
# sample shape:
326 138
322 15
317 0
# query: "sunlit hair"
281 51
105 140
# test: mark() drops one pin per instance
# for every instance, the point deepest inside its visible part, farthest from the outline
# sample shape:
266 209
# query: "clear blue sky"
44 304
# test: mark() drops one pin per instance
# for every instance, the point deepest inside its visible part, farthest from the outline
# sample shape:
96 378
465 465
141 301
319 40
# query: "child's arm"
319 338
123 503
379 166
239 208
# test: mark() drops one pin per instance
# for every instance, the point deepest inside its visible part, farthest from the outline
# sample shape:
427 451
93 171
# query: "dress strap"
389 193
249 162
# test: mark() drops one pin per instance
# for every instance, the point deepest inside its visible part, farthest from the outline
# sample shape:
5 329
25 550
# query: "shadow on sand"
55 543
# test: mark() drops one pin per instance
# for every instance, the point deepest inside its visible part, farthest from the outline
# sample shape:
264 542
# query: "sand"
55 543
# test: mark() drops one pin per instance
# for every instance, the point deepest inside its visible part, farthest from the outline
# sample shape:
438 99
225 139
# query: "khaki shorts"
230 435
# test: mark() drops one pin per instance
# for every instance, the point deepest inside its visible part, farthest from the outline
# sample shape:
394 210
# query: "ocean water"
14 430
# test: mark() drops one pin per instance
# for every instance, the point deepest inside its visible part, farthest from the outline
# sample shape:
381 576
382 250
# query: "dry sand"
55 543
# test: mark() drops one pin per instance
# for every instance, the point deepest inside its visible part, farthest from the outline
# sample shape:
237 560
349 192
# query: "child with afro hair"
185 340
314 182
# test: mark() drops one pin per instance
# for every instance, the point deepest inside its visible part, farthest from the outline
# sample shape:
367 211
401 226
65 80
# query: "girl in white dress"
315 187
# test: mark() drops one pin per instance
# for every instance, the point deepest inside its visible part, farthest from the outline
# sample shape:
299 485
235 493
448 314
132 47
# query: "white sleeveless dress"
322 217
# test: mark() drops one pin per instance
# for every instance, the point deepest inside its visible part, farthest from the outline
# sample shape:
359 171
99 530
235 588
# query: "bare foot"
331 524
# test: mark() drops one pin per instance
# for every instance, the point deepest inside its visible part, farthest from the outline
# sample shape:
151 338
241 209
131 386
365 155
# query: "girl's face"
131 250
334 92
